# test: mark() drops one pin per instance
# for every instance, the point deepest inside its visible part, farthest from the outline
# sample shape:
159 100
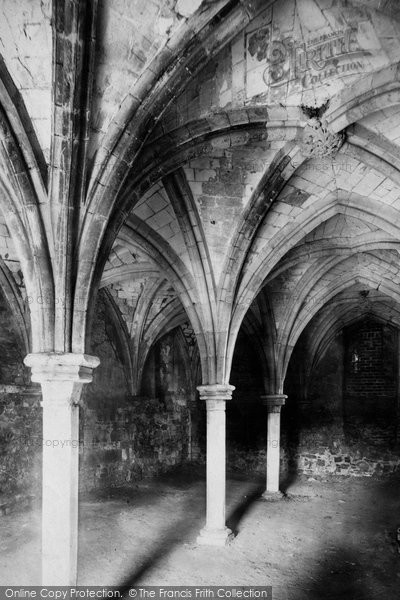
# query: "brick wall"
370 387
341 423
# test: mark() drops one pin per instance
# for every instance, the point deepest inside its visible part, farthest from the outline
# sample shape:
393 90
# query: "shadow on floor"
288 481
251 495
187 528
358 566
178 532
169 538
340 577
367 566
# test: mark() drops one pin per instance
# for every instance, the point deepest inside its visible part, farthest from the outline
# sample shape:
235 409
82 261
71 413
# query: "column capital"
216 391
55 367
274 402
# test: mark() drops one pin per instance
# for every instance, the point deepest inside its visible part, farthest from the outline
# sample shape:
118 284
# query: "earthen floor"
328 539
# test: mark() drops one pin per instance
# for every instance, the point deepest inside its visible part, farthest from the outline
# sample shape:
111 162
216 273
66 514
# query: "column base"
272 496
215 537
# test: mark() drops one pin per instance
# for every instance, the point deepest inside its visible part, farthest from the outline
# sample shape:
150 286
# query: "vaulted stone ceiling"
215 155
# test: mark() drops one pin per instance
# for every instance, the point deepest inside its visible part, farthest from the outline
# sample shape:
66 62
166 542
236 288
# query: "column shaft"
62 377
59 485
216 478
215 532
273 451
273 403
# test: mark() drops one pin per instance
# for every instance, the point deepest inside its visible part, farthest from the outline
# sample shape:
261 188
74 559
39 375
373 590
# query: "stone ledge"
6 388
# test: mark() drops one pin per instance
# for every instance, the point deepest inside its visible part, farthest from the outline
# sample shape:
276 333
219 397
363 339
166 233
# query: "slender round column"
215 532
273 402
62 377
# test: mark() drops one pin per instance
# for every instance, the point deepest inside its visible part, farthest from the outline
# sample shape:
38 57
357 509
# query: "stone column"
273 402
62 377
215 532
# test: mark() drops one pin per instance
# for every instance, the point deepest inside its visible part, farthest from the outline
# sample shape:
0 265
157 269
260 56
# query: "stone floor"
328 539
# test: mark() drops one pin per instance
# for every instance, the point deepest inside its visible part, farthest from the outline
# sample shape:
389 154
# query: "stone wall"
20 419
144 438
316 439
124 437
20 443
319 461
